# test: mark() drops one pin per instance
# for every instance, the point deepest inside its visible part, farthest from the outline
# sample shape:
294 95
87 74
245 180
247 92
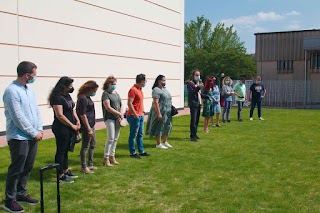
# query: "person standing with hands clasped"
65 125
24 130
86 112
240 93
112 115
258 93
135 117
227 93
194 102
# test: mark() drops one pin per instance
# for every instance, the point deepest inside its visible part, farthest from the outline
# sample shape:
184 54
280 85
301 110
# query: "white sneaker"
166 144
261 118
251 119
161 146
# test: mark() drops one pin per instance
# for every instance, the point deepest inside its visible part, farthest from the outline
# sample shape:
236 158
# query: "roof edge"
294 31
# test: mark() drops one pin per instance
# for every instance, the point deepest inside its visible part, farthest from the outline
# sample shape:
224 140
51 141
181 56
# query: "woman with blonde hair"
112 115
227 92
86 113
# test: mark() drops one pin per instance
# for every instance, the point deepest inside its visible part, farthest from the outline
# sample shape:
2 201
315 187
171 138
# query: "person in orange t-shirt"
135 116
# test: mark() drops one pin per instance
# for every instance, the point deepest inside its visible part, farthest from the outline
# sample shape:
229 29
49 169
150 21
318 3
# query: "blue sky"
253 16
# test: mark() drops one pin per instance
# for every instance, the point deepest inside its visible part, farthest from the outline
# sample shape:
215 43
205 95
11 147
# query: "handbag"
74 138
174 111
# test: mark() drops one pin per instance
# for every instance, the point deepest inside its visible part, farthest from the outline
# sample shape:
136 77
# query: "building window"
285 66
315 62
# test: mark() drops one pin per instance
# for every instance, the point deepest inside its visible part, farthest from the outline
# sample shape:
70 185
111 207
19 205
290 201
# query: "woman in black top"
65 124
86 113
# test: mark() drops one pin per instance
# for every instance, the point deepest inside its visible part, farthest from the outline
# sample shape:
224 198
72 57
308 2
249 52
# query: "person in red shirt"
135 116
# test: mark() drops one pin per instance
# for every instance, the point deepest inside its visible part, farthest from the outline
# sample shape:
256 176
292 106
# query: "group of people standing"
24 127
211 98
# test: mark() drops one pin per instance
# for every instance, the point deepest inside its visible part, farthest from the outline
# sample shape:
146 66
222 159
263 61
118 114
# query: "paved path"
99 125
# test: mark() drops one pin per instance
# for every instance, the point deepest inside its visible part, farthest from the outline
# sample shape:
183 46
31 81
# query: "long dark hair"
156 82
63 82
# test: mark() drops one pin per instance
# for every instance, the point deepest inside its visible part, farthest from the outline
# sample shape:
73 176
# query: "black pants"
255 102
62 136
194 121
23 154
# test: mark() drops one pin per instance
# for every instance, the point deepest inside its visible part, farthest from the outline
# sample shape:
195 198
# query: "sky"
257 16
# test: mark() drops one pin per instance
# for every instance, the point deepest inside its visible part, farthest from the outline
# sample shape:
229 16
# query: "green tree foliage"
215 50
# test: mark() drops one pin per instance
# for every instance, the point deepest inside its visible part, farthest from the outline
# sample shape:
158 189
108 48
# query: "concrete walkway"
99 125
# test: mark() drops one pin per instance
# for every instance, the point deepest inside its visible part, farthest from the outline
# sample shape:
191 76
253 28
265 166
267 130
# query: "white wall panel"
142 9
172 4
64 37
57 63
9 6
72 12
37 32
9 28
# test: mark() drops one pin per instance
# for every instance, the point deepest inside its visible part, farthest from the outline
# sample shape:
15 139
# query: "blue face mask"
113 87
93 94
144 84
198 78
30 81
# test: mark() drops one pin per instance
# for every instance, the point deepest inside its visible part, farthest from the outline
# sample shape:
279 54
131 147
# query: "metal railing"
287 93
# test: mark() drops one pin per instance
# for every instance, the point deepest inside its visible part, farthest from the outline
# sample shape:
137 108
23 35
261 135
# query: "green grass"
258 166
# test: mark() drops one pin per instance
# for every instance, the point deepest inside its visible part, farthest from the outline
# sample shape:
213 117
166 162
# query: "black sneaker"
12 206
197 137
194 139
135 155
27 199
70 175
144 154
65 179
240 120
228 121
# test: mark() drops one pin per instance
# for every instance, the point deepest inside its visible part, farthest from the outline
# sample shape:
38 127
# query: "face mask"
198 78
71 90
258 82
113 87
144 84
93 94
227 82
163 84
30 81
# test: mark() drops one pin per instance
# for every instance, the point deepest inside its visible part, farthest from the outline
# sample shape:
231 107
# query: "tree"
215 50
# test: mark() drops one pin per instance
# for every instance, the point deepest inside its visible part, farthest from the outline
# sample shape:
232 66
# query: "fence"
287 93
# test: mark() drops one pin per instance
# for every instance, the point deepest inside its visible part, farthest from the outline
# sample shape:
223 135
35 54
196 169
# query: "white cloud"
293 27
271 16
293 13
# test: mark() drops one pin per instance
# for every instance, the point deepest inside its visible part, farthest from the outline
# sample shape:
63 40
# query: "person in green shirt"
240 93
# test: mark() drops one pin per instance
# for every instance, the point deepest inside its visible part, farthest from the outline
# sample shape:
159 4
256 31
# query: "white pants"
113 133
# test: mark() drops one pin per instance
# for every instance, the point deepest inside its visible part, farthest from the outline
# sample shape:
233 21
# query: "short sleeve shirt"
115 103
240 89
85 106
256 90
136 93
67 106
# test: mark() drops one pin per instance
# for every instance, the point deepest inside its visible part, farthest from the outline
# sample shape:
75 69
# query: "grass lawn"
254 166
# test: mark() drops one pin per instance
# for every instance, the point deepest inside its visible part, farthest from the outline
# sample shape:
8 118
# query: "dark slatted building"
290 55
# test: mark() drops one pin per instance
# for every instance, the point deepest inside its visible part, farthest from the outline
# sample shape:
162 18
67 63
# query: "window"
285 66
315 62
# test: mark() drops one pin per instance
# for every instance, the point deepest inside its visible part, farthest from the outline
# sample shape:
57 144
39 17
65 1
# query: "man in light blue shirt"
24 130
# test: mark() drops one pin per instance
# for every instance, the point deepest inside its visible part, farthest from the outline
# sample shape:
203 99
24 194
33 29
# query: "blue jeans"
136 132
226 109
